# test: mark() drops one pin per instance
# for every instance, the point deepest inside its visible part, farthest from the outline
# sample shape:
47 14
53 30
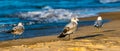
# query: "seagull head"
74 19
99 18
20 24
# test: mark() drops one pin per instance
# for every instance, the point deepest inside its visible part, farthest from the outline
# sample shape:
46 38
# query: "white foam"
108 1
48 14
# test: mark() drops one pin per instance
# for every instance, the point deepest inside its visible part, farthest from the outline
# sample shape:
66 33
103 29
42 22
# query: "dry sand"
84 39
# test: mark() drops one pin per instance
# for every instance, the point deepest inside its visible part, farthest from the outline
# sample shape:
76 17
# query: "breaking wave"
48 14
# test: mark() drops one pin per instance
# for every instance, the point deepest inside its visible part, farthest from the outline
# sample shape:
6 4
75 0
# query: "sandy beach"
86 38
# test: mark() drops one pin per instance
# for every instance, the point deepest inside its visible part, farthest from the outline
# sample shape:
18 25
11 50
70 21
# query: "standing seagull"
69 28
18 30
98 23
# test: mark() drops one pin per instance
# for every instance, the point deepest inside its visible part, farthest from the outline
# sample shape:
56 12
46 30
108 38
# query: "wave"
48 14
108 1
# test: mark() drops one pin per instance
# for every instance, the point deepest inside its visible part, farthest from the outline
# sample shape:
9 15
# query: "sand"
86 38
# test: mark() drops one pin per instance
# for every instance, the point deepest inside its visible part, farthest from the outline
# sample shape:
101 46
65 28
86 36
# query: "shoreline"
104 15
110 30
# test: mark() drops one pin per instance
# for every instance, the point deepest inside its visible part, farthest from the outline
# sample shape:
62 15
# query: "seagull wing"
18 30
98 23
69 28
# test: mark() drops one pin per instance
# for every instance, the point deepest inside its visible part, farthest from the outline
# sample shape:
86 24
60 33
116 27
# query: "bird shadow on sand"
108 30
88 36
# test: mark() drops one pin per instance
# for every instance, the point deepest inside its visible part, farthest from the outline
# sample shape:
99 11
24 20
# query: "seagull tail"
9 31
62 35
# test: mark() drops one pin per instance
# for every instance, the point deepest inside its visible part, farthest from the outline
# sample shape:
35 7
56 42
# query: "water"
48 17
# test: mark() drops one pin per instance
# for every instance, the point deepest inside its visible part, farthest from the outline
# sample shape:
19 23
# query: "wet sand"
86 38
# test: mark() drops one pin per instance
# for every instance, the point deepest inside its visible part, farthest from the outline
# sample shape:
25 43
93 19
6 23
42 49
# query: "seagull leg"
96 29
69 36
14 37
21 36
99 30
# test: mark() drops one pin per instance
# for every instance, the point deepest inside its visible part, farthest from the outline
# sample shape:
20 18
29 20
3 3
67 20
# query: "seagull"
69 28
98 23
17 30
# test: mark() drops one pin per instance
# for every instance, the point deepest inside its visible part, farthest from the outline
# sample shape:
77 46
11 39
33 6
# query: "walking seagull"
69 28
98 23
17 30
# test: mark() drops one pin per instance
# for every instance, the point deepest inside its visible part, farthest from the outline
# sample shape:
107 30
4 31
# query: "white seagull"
69 28
17 30
98 23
